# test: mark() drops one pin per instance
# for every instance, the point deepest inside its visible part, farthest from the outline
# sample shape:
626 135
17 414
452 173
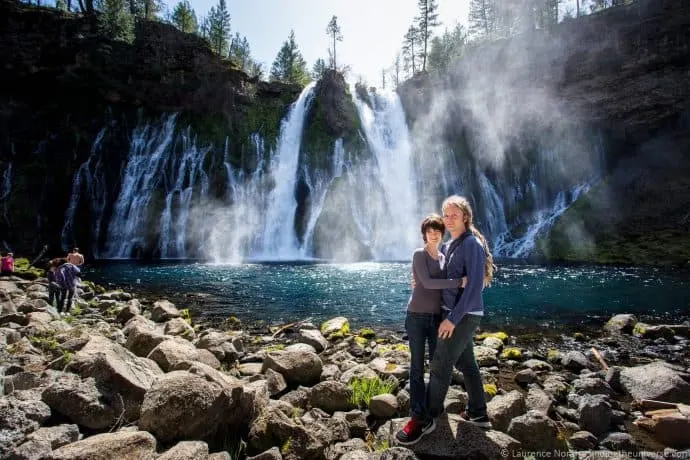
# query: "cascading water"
6 189
544 219
90 175
318 183
149 150
186 172
388 215
279 240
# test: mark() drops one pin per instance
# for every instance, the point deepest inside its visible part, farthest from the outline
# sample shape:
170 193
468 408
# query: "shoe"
481 422
414 430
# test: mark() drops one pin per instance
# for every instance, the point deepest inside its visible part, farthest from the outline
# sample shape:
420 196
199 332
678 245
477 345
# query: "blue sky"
372 29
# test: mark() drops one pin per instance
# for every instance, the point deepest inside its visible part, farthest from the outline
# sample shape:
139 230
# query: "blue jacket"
469 259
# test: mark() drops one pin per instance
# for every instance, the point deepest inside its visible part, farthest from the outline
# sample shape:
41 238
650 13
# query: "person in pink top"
7 264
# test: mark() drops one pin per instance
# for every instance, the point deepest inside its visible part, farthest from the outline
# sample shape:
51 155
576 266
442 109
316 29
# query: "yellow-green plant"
363 389
287 446
186 315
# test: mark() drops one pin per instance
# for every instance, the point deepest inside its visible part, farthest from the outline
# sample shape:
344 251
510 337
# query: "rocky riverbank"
120 377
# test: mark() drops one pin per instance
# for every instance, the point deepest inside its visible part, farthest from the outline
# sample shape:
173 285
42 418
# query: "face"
454 219
433 236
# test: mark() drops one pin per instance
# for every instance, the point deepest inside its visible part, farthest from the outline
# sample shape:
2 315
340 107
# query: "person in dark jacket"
467 254
67 277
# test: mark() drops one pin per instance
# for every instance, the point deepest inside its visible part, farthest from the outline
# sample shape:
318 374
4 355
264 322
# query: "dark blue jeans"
422 329
457 351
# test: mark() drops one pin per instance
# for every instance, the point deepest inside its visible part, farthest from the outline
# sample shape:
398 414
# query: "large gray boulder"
82 402
298 367
655 381
454 438
181 405
134 445
117 372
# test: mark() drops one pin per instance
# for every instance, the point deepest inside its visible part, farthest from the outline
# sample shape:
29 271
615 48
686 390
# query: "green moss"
579 336
502 336
511 353
553 355
367 333
286 448
361 341
23 270
640 329
490 389
276 347
394 347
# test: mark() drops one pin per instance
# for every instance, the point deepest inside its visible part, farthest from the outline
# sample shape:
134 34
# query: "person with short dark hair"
67 277
422 321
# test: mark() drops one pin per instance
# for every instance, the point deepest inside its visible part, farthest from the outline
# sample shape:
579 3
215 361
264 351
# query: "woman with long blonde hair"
467 254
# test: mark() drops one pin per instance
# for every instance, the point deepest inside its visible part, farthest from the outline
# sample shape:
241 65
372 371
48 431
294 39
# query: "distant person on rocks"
467 254
66 276
7 264
423 318
75 258
53 286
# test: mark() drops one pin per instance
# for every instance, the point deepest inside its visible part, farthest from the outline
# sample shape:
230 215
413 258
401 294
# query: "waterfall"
388 214
90 175
186 172
6 189
544 220
149 150
318 186
279 240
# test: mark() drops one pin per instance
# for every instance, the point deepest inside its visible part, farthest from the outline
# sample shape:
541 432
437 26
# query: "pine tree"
240 52
333 30
411 48
319 69
219 28
426 22
289 65
482 19
115 20
184 18
446 48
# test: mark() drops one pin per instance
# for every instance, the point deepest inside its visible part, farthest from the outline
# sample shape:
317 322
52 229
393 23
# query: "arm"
421 273
475 259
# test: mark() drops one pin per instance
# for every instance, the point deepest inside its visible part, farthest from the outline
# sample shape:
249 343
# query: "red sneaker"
414 430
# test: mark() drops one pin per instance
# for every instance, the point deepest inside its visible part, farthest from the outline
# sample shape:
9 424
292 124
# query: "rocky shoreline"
123 377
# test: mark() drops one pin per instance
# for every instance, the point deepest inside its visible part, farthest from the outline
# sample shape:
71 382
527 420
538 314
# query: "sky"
372 29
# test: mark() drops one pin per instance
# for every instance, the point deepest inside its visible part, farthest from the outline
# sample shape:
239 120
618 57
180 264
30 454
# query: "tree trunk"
577 8
335 66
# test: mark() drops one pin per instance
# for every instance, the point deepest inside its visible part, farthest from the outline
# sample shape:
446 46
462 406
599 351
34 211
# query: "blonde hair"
463 205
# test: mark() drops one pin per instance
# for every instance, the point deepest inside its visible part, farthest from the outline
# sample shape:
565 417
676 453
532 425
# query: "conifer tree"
426 22
184 18
411 48
115 20
219 28
289 65
482 19
240 52
319 69
333 30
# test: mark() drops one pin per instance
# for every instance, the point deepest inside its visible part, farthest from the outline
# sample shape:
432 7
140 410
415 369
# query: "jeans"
457 351
422 329
53 295
65 294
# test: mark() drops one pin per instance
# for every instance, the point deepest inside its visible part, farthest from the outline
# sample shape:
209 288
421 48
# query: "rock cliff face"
60 84
621 76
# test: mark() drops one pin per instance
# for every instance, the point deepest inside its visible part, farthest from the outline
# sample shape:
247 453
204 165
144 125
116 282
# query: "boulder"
655 381
181 405
138 445
454 438
298 368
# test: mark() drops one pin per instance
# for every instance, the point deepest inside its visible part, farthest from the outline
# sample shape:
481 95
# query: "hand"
463 282
413 283
445 330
